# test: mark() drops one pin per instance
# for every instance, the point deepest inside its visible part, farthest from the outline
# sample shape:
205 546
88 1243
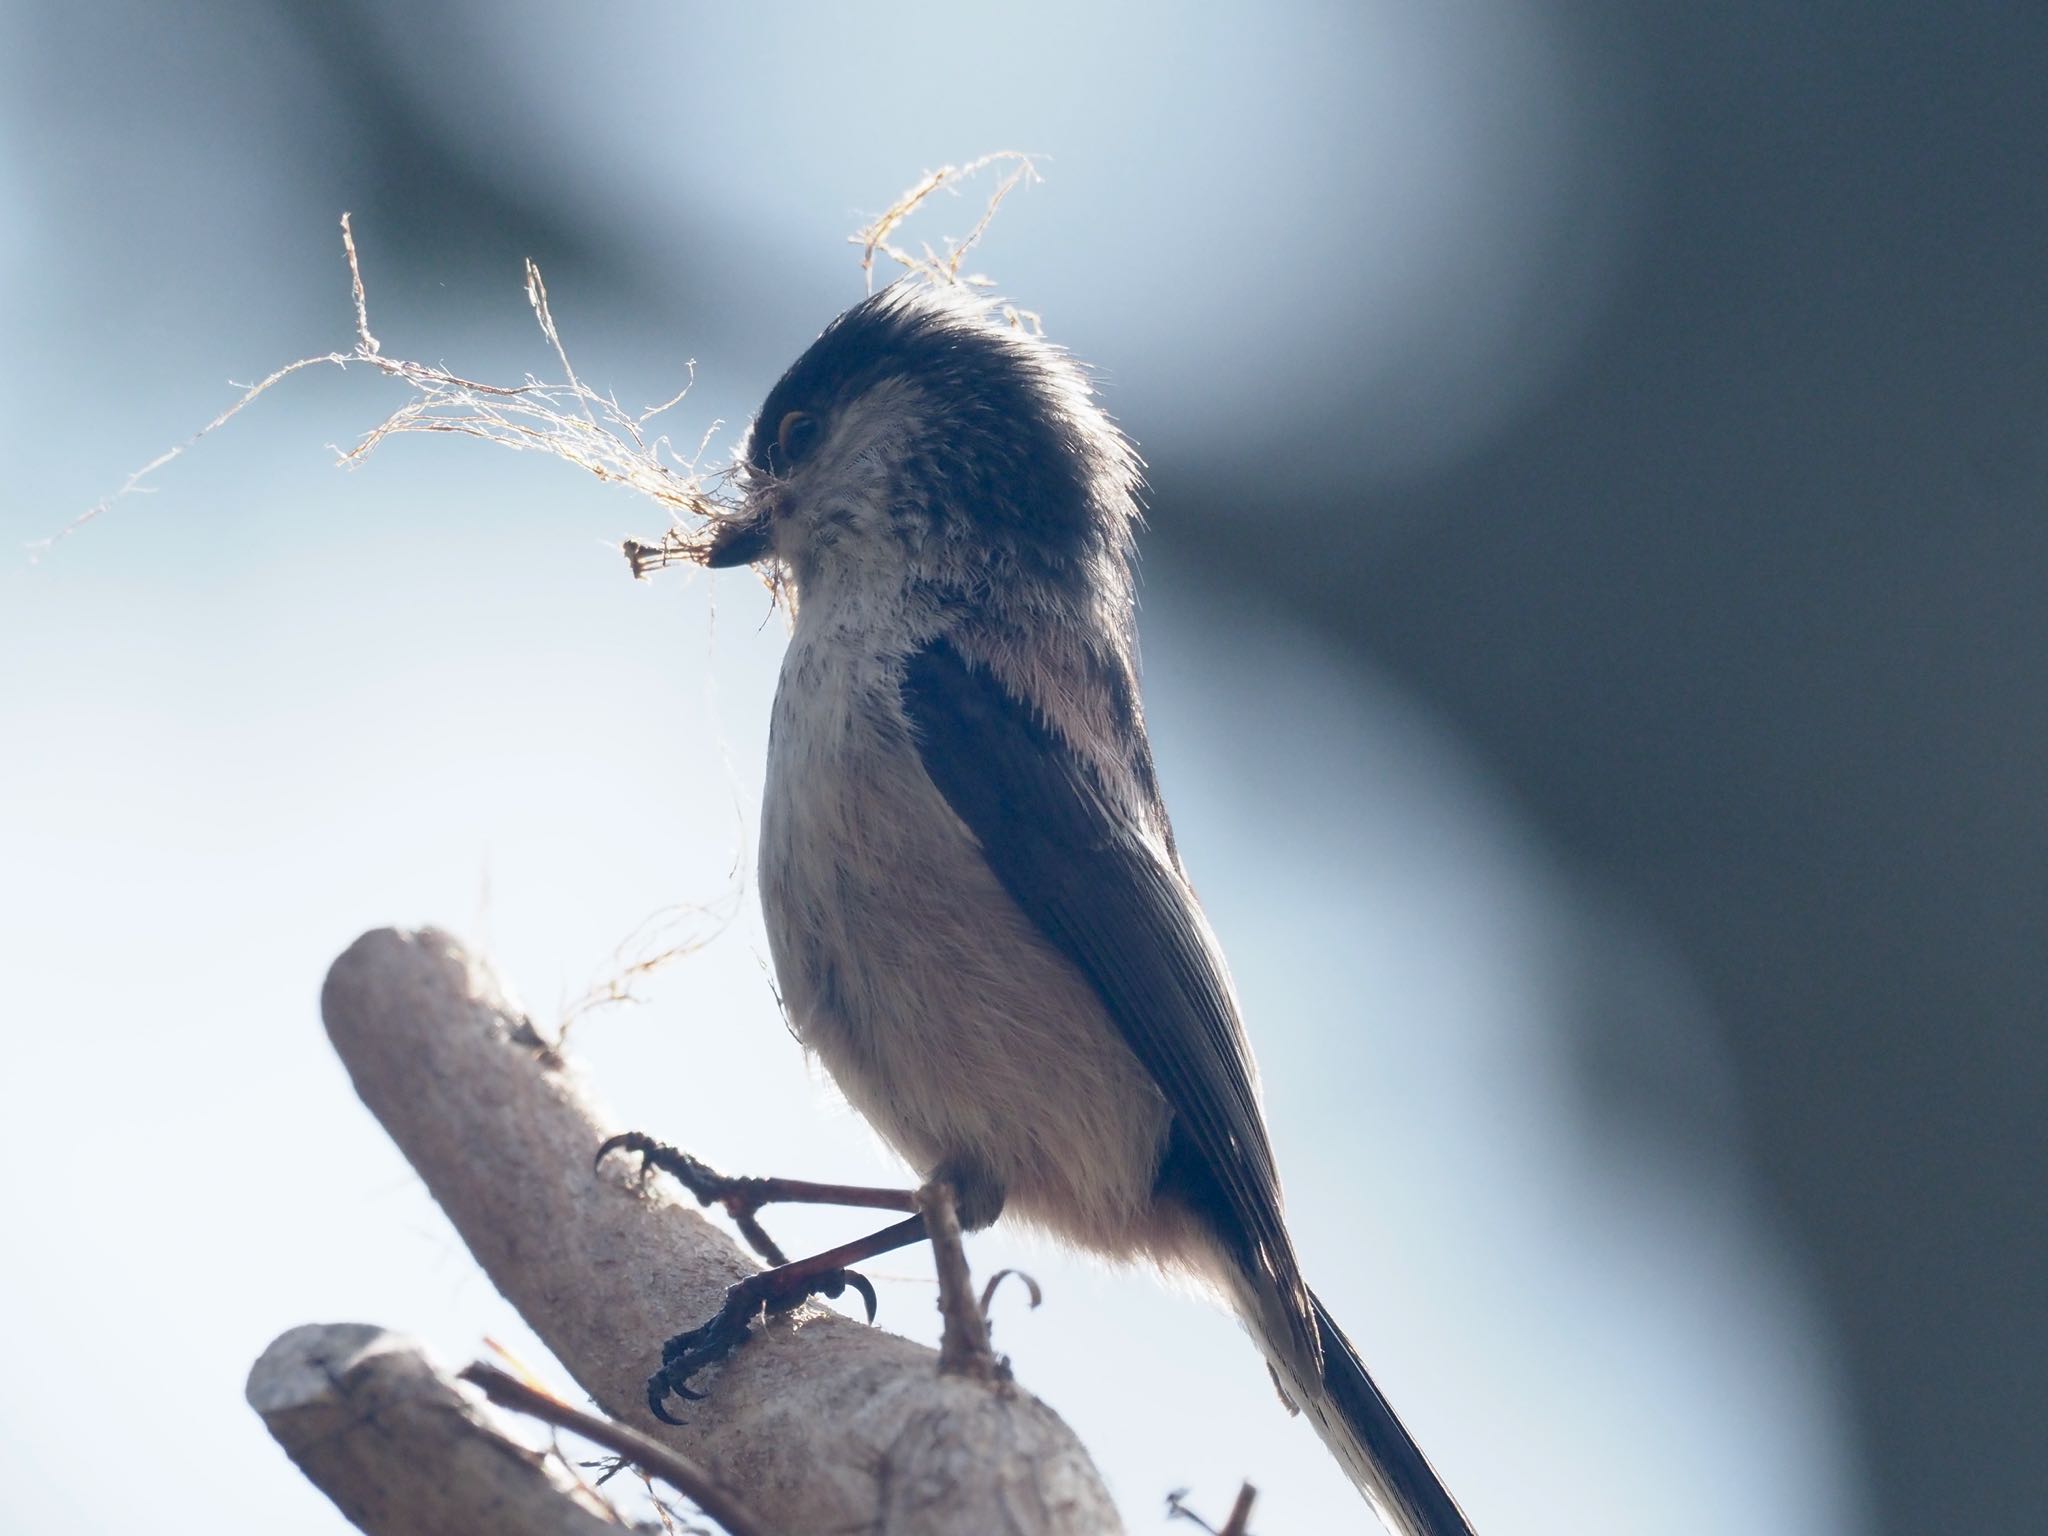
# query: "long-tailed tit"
977 915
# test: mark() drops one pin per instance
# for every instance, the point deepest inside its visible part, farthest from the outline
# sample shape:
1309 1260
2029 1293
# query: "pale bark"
817 1423
401 1449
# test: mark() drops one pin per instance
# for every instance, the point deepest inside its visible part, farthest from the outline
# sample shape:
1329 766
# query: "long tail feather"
1366 1437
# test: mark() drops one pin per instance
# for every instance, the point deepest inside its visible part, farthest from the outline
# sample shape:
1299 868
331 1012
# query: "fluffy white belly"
940 1011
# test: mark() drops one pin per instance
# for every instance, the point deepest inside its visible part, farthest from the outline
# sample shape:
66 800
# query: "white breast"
943 1015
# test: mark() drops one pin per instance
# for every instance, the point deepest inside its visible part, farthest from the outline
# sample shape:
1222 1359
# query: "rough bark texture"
820 1423
400 1448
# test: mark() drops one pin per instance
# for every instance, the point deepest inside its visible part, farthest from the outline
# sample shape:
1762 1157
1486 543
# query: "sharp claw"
672 1380
867 1292
687 1353
657 1398
628 1140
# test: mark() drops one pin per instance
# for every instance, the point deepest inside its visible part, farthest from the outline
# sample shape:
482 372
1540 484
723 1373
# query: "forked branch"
818 1422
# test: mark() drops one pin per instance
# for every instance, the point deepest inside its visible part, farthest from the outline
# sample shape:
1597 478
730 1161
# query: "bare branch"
401 1449
674 1468
819 1422
1239 1522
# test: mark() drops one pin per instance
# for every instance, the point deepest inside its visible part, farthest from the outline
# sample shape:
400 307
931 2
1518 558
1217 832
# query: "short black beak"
740 541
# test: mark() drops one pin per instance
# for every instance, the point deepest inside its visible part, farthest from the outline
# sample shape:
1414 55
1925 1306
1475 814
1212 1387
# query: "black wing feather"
1112 905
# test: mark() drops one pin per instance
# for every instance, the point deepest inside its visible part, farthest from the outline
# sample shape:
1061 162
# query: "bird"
977 915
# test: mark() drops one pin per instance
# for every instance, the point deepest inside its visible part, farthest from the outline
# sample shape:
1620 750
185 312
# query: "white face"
838 517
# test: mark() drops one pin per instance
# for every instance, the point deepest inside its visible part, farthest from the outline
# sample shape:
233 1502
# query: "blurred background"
1594 639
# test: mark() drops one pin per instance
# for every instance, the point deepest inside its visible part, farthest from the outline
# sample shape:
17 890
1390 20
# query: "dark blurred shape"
438 206
1752 610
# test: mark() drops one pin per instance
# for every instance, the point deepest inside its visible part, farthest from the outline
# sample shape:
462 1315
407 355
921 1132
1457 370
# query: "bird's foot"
741 1197
698 1177
772 1290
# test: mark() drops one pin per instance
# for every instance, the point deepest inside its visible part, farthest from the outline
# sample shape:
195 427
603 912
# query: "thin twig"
672 1467
1239 1523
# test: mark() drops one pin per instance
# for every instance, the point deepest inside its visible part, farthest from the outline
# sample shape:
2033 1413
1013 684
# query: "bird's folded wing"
1108 900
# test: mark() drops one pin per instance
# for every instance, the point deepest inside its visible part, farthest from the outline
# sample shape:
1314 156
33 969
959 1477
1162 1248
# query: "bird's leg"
960 1194
778 1290
964 1346
743 1197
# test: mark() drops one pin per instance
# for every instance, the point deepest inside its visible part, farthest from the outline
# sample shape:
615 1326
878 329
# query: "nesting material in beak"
740 541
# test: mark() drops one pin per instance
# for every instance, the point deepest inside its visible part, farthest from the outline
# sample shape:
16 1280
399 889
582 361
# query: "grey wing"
1110 903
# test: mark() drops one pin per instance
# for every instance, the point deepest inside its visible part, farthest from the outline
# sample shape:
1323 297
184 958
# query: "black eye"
795 437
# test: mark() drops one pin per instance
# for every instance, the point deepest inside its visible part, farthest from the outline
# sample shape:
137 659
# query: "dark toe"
626 1141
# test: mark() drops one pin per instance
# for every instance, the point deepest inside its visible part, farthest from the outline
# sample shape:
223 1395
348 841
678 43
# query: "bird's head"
925 442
